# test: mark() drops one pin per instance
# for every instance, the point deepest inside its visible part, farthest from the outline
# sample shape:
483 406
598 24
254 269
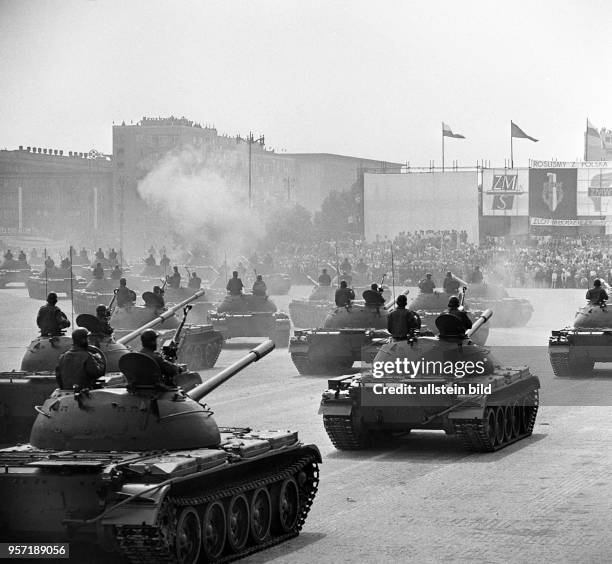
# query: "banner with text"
552 193
505 192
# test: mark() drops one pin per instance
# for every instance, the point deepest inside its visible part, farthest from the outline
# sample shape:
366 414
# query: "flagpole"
586 141
511 148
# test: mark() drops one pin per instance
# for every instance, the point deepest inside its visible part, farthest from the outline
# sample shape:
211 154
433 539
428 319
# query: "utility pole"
250 140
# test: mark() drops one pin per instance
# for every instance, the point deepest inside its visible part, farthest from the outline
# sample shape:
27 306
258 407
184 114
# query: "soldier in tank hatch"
427 285
259 286
597 295
116 273
103 315
476 277
78 366
174 280
98 272
324 278
453 309
401 322
450 284
167 370
373 297
195 282
150 260
125 296
234 285
51 319
344 295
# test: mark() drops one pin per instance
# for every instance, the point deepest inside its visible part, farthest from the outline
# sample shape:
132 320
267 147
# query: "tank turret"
573 351
143 416
447 383
42 355
148 461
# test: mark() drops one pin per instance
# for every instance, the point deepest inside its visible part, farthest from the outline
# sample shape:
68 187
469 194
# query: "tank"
21 390
313 311
96 292
199 345
207 302
509 311
249 315
430 306
55 280
14 272
154 478
334 348
487 409
574 350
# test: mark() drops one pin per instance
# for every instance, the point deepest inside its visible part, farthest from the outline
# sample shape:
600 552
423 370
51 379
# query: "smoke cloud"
205 209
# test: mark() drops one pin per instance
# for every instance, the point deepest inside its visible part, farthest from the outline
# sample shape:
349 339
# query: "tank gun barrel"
218 379
462 282
160 319
484 317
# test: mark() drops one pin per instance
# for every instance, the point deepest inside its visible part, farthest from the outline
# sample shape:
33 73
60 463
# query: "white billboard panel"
505 192
420 201
594 194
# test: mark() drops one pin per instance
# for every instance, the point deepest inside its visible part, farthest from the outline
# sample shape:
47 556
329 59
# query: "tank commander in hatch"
373 297
324 278
401 321
450 284
453 309
167 370
259 286
234 285
427 285
125 296
597 295
195 282
174 280
51 319
344 295
78 366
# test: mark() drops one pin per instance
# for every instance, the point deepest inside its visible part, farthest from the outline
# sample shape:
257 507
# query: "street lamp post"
250 140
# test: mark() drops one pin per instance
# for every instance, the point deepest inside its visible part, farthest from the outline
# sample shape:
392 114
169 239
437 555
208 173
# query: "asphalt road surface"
423 498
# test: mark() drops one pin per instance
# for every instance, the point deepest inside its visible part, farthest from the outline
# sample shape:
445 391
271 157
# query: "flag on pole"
516 131
592 130
448 132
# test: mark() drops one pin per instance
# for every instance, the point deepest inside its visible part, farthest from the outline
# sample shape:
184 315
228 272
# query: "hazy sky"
363 78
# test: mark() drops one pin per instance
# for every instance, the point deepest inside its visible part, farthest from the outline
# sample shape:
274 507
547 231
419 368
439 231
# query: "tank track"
306 367
149 544
342 434
475 436
563 368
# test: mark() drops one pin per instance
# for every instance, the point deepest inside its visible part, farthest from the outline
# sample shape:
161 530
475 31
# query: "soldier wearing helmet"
167 370
597 295
401 321
453 309
259 286
234 285
344 295
51 319
450 284
104 330
80 365
427 285
125 296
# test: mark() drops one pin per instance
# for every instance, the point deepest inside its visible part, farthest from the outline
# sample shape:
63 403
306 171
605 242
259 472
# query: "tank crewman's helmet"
79 337
149 338
453 302
52 298
401 300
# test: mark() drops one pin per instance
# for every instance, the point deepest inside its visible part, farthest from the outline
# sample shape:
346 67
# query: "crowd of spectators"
544 262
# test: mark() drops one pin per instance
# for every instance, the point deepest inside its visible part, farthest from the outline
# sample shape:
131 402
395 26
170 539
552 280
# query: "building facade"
44 192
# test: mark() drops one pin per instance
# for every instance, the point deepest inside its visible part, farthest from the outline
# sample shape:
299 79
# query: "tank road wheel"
508 423
491 428
516 419
343 435
213 530
261 515
188 536
237 522
499 426
286 504
529 412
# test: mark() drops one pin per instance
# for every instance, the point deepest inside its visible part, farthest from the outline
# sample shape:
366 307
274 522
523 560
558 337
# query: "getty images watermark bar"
34 550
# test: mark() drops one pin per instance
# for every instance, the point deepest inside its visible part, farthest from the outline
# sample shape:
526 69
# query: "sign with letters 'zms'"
505 192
